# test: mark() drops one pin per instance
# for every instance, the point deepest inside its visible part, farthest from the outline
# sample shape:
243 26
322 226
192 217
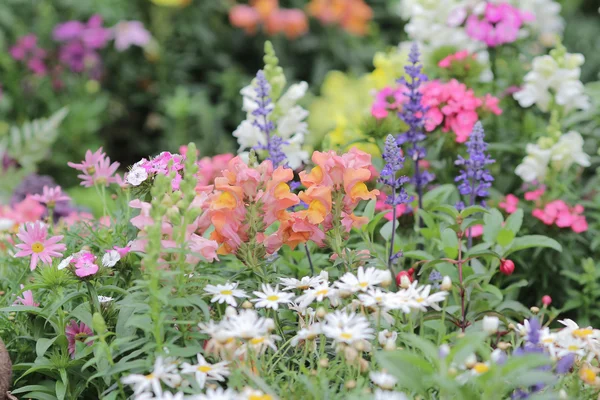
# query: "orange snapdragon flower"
352 15
297 229
278 196
319 203
290 21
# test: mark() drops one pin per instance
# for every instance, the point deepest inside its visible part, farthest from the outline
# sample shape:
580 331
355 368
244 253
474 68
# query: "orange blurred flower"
352 15
290 21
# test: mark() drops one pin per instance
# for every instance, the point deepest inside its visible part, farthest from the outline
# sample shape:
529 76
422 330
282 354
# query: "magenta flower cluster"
500 24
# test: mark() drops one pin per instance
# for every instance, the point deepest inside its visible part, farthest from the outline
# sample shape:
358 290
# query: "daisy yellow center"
363 284
420 299
204 368
346 335
322 292
273 297
587 375
548 340
260 397
257 340
582 332
149 377
37 247
573 348
378 298
481 368
226 292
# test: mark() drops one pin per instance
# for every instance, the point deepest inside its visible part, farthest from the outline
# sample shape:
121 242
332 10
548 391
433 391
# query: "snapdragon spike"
394 162
413 114
265 108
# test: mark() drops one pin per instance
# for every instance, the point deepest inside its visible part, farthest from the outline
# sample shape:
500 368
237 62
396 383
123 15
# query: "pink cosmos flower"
386 100
51 196
37 244
27 299
130 33
510 203
85 264
77 333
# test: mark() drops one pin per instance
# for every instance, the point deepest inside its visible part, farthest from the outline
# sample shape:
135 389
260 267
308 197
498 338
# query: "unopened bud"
511 326
247 305
471 361
452 371
230 312
324 362
490 324
446 283
404 282
321 312
360 345
535 309
350 384
389 345
364 365
546 300
504 345
350 353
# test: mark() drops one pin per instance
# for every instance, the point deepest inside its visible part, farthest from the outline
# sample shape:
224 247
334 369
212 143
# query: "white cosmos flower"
136 176
347 328
110 258
383 380
164 371
318 293
271 298
204 371
363 280
225 293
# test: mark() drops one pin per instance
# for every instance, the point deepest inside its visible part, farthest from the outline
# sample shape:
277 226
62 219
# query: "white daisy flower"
164 371
311 332
110 258
271 298
259 344
225 293
363 280
388 395
306 282
383 380
347 328
423 299
252 394
217 394
318 293
247 325
171 396
204 371
373 297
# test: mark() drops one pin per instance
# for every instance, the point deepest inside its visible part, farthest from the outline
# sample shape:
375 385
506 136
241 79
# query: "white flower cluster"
289 123
554 78
584 343
548 22
568 150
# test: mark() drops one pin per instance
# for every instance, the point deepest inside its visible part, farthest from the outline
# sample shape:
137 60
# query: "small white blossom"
136 176
271 298
225 293
111 258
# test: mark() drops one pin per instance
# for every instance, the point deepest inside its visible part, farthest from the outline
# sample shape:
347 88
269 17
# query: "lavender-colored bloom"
130 33
435 278
31 184
392 155
564 364
531 346
475 179
265 107
67 31
413 114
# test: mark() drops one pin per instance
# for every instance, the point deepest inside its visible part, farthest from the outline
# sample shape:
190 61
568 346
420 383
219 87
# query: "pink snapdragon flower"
130 33
559 213
37 244
50 196
500 24
454 107
77 333
97 169
27 299
510 203
389 99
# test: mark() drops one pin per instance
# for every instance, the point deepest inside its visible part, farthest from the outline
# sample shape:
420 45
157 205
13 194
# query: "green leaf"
438 195
447 209
529 241
42 345
493 290
61 390
505 237
514 221
492 225
472 210
369 211
450 243
386 230
418 255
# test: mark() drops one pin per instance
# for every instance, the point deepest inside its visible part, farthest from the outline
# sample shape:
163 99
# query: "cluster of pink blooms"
27 51
556 212
96 169
500 24
211 167
163 164
455 107
559 213
459 56
79 47
27 210
389 99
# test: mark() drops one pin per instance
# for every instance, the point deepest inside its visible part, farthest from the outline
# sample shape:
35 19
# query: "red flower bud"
408 274
411 271
507 267
546 300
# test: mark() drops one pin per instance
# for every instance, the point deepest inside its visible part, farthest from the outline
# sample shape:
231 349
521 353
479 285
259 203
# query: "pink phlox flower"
389 99
85 264
77 333
510 203
499 24
130 33
27 299
123 251
535 194
38 245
